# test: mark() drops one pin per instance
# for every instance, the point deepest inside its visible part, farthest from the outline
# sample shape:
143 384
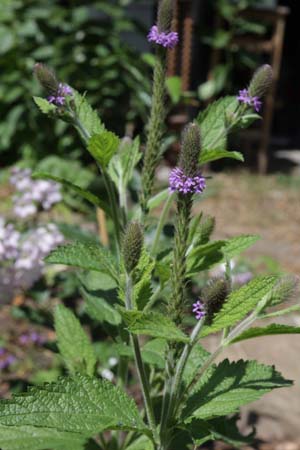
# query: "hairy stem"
140 366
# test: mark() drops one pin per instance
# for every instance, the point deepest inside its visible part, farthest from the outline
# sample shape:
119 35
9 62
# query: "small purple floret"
245 97
199 309
186 185
59 98
167 40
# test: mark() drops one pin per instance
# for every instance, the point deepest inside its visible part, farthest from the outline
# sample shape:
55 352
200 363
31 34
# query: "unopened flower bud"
190 150
165 15
285 290
261 81
132 245
46 78
213 296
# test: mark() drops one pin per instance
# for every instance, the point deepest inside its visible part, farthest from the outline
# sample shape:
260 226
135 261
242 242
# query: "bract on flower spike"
213 296
57 91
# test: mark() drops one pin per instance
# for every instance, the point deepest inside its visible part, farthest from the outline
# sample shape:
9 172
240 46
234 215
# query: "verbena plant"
144 291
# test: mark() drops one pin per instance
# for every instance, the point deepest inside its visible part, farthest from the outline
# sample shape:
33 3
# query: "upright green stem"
161 223
155 127
140 366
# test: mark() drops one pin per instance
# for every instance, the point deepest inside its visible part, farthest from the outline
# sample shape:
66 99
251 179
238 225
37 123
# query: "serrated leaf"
213 121
224 429
209 155
153 352
99 309
269 330
240 303
44 106
77 405
238 244
103 146
153 324
87 195
225 388
35 438
87 256
88 117
73 343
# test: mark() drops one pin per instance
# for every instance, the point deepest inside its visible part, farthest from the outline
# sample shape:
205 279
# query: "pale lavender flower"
199 309
247 99
6 360
63 91
33 337
167 40
179 182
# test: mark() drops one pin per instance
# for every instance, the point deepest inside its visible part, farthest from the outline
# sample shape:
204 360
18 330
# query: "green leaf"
77 405
103 146
238 244
44 106
88 118
121 166
209 155
142 443
87 195
87 256
153 352
174 88
157 199
35 438
224 429
153 324
269 330
223 389
213 122
99 309
73 343
241 302
194 363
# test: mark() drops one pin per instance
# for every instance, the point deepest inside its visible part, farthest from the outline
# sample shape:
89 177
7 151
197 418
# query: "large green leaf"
209 155
103 146
195 361
77 405
87 195
153 324
88 117
99 309
223 389
241 302
142 289
269 330
35 438
73 343
239 244
213 123
142 443
89 256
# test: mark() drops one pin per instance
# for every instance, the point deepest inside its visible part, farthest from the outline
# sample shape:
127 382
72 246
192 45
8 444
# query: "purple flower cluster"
179 182
247 99
32 194
21 256
199 310
167 40
32 338
6 359
59 99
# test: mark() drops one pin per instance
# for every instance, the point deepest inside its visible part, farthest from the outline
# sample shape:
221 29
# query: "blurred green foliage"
231 58
84 42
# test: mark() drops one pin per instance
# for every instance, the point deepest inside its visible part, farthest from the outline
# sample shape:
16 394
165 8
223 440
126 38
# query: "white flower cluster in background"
32 195
21 256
